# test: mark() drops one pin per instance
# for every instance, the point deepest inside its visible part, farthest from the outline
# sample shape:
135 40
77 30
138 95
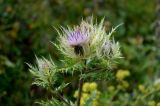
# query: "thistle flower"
44 64
76 40
85 40
107 49
43 72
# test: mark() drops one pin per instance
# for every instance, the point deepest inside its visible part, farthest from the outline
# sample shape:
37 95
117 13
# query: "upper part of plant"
87 40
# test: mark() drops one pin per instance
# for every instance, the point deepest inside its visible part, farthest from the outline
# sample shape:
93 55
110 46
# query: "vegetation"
26 29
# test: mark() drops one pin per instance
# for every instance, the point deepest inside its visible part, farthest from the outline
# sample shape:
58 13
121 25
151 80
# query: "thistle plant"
87 50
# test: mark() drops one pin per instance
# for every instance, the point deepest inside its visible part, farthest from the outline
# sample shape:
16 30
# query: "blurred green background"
26 29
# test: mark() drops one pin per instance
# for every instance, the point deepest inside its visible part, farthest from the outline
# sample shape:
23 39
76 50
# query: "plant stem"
63 100
81 84
80 91
60 97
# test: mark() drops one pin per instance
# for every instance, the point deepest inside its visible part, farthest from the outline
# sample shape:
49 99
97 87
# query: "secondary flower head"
43 64
43 72
107 48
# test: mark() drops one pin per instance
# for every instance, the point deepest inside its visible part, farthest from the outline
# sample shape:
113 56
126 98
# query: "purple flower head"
76 40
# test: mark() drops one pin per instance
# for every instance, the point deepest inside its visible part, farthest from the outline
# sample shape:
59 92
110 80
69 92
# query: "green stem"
79 91
62 99
80 85
57 95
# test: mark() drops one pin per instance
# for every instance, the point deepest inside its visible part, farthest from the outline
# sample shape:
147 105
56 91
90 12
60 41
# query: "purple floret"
77 38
